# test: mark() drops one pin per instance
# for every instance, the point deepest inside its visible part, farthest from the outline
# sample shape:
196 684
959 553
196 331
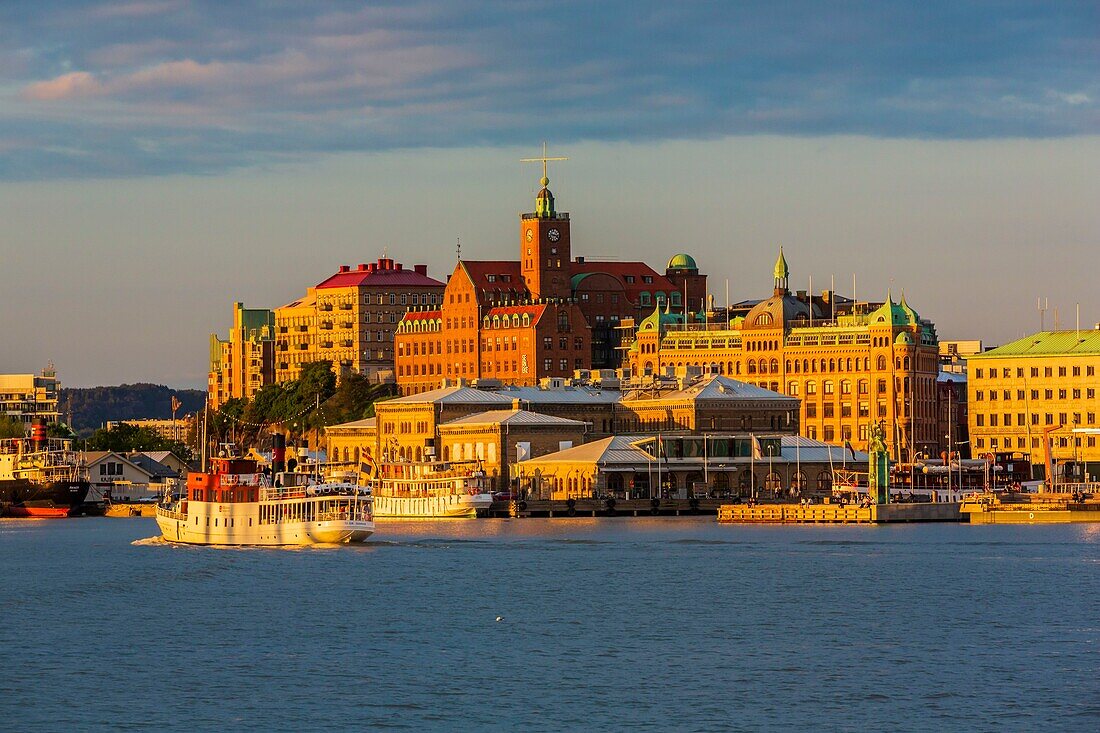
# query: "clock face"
530 234
553 235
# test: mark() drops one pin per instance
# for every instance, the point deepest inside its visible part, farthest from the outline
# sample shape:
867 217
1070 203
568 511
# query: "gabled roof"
452 395
535 310
513 418
622 449
153 467
422 315
366 423
94 457
713 387
1048 343
620 270
479 272
573 394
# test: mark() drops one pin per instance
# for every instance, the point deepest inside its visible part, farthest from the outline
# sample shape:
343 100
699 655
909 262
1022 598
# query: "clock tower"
544 248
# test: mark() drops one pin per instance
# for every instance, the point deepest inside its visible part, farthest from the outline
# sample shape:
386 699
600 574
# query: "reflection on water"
606 624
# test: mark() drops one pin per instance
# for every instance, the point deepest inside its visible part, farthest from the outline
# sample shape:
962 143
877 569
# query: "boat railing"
170 514
282 492
361 515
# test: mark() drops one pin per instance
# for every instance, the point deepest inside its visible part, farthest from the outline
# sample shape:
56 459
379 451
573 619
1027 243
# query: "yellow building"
349 319
295 336
1043 383
24 397
849 363
243 363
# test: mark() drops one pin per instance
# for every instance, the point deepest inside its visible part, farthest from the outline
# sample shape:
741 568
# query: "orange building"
545 315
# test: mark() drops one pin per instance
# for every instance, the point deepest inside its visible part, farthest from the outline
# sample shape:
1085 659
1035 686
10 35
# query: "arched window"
752 367
775 366
881 362
763 319
763 366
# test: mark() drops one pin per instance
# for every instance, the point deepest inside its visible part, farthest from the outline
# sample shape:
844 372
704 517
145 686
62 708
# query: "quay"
838 513
608 507
1043 508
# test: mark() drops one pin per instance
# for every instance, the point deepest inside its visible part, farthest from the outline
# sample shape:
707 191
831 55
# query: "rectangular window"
979 373
1034 371
979 420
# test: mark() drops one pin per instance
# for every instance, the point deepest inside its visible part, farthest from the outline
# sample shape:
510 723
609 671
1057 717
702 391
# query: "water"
609 625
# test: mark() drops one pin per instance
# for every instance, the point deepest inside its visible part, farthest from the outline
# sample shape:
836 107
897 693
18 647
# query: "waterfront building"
1042 385
295 336
127 476
545 315
850 363
243 363
687 466
349 319
166 428
24 397
494 423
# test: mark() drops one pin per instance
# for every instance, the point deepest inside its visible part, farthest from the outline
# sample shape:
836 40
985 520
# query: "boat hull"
453 506
36 500
288 533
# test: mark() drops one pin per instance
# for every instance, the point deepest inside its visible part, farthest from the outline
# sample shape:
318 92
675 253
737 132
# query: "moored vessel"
1081 505
430 490
235 504
41 477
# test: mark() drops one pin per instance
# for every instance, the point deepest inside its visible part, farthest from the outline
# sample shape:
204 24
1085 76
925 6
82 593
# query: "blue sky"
185 152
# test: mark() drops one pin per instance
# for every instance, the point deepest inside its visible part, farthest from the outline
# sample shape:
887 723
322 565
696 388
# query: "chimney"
400 266
344 268
362 267
421 269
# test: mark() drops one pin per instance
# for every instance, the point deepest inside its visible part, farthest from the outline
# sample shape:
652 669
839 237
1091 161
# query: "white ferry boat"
234 504
430 490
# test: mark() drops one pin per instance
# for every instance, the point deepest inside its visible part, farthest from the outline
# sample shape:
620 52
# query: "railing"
163 512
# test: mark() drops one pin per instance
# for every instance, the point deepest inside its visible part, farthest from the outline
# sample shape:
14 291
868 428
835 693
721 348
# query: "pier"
838 513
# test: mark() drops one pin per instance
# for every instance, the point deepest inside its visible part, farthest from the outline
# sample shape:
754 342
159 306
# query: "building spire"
781 273
544 201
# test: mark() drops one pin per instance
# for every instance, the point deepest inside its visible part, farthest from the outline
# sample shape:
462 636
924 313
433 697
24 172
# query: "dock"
838 513
606 507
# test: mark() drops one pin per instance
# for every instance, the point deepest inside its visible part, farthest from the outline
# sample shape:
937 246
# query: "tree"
11 428
126 438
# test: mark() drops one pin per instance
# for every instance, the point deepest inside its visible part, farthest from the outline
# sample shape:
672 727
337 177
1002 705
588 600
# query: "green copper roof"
896 314
682 262
781 269
1048 343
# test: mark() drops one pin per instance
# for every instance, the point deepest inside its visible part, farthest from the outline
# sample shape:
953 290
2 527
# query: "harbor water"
523 625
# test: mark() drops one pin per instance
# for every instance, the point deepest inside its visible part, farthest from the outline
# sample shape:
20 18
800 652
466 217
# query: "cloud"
210 85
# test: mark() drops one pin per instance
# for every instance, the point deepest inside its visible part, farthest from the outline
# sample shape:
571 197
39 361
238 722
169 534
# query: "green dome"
896 314
682 262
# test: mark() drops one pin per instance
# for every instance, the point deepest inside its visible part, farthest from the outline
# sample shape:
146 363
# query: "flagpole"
752 466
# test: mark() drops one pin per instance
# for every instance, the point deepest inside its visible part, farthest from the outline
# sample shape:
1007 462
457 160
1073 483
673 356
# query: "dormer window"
491 278
647 280
630 278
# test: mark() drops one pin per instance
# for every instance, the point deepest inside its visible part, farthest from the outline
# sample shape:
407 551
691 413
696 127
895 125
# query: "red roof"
422 315
639 270
505 276
382 274
534 310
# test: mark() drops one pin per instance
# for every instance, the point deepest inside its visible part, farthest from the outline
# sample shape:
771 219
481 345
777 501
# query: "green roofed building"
1045 383
244 362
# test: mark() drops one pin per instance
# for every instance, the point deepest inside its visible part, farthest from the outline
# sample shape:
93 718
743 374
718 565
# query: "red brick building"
545 315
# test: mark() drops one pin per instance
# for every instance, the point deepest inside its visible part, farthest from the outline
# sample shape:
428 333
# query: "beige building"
166 428
1043 384
350 318
850 363
686 466
295 336
24 397
243 363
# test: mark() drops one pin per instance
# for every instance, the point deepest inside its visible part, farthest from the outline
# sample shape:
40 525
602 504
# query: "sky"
160 159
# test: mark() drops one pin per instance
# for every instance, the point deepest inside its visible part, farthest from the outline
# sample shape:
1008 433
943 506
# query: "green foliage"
292 406
59 430
93 406
11 428
125 438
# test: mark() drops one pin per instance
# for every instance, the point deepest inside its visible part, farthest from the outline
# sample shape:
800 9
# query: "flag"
370 467
176 404
756 451
851 450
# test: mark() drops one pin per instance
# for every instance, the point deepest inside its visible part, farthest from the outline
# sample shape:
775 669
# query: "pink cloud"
66 86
